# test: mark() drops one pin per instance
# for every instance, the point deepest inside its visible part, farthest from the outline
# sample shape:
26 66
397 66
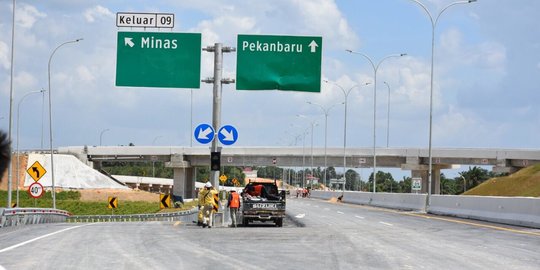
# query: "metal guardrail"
184 216
10 217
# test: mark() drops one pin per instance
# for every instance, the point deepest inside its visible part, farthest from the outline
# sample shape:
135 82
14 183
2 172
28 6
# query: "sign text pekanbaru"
279 62
147 59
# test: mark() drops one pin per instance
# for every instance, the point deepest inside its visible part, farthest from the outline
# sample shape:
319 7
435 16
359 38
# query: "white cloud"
97 12
4 55
27 15
226 26
25 81
85 74
323 16
455 125
487 55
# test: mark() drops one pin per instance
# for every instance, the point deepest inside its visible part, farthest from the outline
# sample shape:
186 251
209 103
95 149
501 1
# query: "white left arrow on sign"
229 135
313 45
203 134
128 42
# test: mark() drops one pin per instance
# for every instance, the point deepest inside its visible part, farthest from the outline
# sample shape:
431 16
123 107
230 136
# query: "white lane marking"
300 215
339 212
316 206
327 209
359 217
387 224
41 237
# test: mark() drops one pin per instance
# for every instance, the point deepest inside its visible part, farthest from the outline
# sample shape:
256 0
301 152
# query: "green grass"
524 183
70 201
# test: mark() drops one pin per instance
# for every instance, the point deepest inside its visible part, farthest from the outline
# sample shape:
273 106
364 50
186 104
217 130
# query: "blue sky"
486 80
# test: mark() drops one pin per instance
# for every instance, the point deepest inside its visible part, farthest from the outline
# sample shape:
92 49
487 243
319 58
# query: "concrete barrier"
355 197
507 210
325 195
401 201
518 211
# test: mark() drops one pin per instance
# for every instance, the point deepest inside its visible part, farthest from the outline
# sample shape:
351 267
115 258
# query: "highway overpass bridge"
184 159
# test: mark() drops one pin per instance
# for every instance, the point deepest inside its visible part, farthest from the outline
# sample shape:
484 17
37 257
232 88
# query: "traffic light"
215 161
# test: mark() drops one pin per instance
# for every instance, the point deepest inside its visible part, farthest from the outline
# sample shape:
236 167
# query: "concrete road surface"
319 235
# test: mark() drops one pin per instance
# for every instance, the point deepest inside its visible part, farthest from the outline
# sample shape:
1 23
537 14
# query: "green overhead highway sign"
279 62
146 59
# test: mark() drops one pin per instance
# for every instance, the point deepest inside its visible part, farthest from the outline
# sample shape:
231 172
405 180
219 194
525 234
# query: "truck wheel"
245 222
279 222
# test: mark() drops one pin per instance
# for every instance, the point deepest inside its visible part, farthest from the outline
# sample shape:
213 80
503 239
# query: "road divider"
520 211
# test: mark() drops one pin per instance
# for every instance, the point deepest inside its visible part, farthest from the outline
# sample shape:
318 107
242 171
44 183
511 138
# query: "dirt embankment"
21 170
123 195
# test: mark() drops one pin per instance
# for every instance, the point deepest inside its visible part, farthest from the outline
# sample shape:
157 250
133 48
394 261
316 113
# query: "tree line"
385 181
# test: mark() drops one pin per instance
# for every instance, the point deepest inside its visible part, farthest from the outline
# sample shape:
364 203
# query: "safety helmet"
208 185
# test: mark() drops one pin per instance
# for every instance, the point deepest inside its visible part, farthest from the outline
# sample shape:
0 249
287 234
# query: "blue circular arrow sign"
227 135
204 133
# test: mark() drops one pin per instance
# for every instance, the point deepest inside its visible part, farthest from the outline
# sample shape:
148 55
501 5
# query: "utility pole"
217 80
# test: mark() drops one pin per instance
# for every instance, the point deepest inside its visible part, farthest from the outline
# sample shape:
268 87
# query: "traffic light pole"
217 80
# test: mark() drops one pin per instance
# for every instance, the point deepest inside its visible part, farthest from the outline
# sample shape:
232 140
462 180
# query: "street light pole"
388 118
155 139
433 26
346 94
50 118
313 124
10 166
375 68
326 111
101 135
18 153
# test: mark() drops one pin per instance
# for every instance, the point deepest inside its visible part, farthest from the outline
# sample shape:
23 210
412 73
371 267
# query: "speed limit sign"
35 190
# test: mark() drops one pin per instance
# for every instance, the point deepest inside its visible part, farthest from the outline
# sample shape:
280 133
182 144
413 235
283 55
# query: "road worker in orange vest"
233 203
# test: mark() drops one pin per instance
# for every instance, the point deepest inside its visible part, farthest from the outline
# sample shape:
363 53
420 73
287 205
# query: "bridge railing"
10 217
184 216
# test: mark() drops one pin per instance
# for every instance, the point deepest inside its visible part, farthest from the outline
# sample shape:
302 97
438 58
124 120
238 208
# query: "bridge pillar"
183 183
183 180
421 171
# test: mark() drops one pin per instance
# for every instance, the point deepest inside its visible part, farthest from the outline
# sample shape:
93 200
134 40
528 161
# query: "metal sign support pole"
217 80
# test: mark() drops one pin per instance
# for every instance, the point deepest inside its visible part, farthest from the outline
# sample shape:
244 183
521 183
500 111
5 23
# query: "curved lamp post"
388 117
19 154
346 95
313 124
375 68
101 135
50 117
433 26
326 111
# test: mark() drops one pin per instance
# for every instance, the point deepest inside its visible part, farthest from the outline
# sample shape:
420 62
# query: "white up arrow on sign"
313 45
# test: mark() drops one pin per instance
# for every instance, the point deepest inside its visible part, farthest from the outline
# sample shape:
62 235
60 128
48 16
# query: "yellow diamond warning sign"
36 171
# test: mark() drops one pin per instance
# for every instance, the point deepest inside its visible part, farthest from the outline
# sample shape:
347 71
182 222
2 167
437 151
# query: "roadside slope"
524 183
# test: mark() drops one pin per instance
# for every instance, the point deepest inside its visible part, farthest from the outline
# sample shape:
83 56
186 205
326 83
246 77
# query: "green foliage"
70 201
406 185
525 182
385 182
352 180
271 172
